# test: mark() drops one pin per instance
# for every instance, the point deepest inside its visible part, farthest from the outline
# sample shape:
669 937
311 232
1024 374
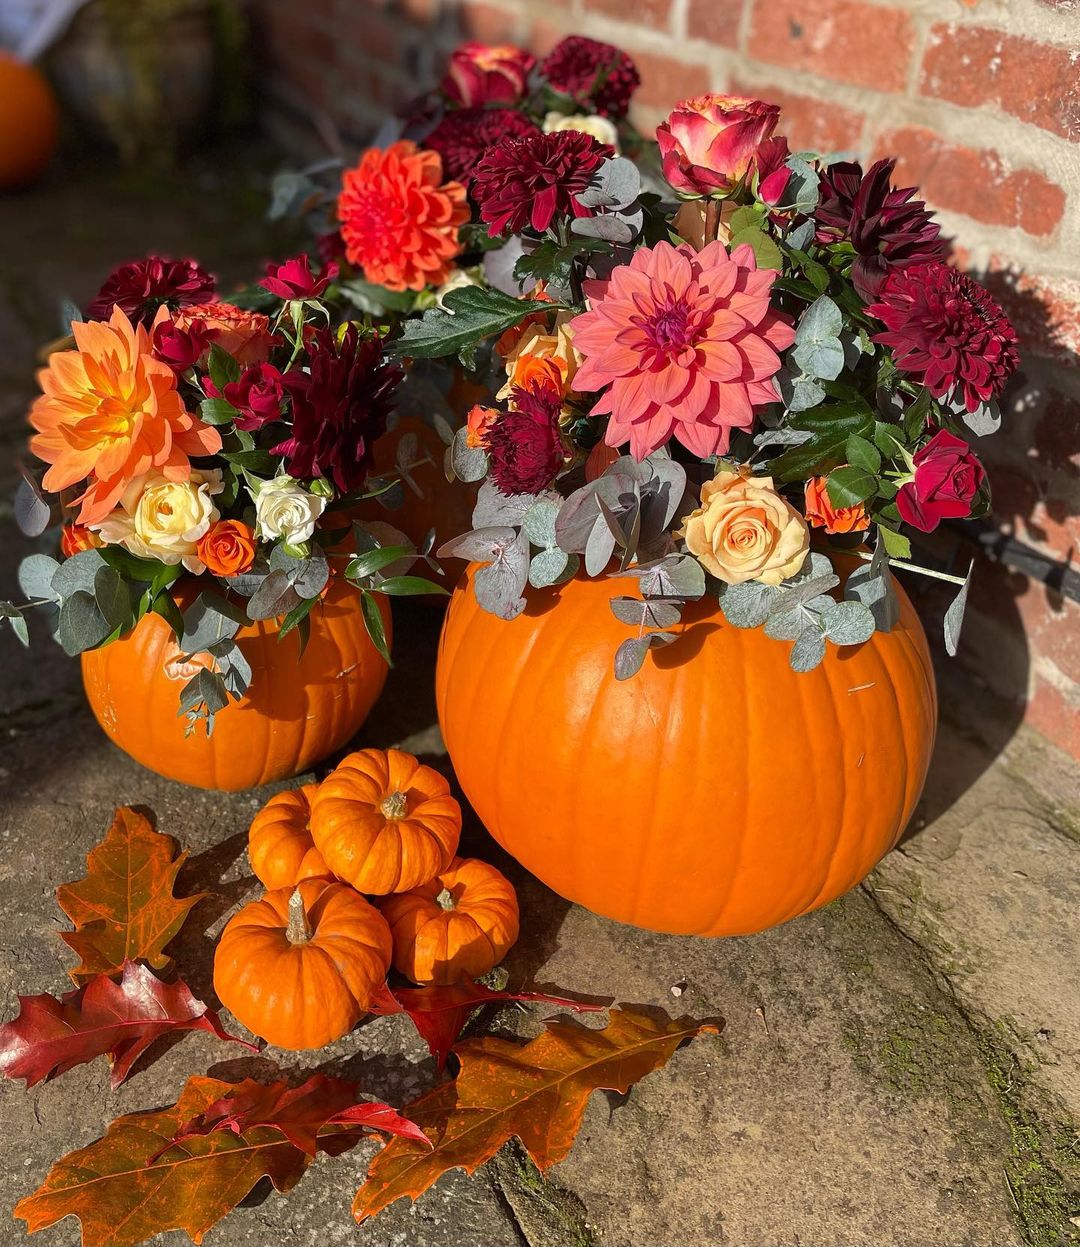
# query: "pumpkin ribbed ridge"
715 793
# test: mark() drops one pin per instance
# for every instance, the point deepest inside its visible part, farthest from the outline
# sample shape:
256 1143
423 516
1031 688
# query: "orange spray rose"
227 548
821 513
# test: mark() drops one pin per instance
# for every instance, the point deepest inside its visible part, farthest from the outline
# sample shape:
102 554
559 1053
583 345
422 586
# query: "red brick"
973 181
486 23
810 124
714 20
1055 715
1044 310
665 81
867 44
543 36
654 13
974 66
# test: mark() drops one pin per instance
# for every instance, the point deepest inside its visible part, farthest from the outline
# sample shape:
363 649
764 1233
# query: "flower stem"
922 571
713 209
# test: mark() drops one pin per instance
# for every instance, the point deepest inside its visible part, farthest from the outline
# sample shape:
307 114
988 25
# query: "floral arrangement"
709 384
186 436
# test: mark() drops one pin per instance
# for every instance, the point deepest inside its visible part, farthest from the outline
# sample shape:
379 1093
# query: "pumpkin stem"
445 899
298 931
395 805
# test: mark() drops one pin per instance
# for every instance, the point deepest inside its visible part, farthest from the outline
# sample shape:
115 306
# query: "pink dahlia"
463 136
532 180
947 331
598 77
684 343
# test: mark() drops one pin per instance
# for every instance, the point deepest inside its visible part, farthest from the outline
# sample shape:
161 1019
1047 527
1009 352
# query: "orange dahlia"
399 224
110 412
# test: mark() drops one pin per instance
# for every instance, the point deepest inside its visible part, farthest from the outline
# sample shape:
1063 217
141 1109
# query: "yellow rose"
162 519
600 128
536 345
744 530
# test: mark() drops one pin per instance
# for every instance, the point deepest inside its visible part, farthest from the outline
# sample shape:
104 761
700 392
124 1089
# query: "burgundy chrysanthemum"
947 331
339 408
141 287
532 180
463 136
597 76
524 445
887 228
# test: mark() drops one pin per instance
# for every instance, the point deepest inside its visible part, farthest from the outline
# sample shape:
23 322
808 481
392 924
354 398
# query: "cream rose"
284 508
744 530
600 128
458 280
162 519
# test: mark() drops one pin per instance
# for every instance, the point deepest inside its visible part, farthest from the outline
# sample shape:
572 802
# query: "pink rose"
295 280
709 143
773 173
479 74
947 478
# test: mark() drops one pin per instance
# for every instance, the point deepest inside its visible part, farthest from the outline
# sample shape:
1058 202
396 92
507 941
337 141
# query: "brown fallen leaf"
124 910
136 1182
536 1091
122 1020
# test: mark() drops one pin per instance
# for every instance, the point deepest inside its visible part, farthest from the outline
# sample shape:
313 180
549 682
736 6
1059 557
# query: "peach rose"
708 143
744 530
243 335
74 538
821 513
227 548
541 356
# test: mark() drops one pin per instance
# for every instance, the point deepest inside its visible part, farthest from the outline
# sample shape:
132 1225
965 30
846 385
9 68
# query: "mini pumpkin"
280 847
458 925
384 822
299 966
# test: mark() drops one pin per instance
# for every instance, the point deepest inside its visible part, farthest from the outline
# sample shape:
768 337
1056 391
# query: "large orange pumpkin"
385 823
298 709
717 792
29 122
280 847
458 925
299 966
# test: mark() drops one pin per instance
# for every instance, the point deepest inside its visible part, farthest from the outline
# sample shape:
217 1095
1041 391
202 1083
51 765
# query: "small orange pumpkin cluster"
301 965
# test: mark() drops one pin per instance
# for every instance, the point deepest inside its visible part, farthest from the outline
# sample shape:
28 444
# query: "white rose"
284 508
599 127
162 519
459 278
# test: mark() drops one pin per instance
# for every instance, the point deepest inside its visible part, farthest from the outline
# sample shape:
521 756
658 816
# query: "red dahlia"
887 228
141 287
532 180
339 408
597 76
947 331
524 445
463 136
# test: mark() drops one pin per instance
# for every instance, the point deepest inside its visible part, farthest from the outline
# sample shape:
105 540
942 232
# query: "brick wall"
979 99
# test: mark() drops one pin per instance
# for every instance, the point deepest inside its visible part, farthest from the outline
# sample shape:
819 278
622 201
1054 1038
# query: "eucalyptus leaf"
478 546
801 236
470 463
81 626
629 657
749 604
548 567
539 521
494 507
875 592
208 621
76 574
848 623
954 616
821 322
600 546
674 576
36 573
788 625
499 586
32 512
206 689
275 596
808 650
112 597
804 592
646 613
984 420
15 618
822 361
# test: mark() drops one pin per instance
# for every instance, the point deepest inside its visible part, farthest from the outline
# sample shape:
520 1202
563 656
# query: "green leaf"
915 416
862 454
82 626
471 314
848 486
296 617
223 368
374 299
261 462
897 546
165 606
112 597
766 252
831 426
888 439
373 622
751 216
217 411
554 263
408 586
367 564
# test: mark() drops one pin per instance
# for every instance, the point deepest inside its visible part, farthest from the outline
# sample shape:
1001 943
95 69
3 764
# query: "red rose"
479 74
181 349
947 478
256 395
295 280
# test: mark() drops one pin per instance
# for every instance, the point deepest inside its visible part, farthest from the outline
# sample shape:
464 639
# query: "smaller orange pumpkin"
29 122
280 847
458 925
385 823
299 967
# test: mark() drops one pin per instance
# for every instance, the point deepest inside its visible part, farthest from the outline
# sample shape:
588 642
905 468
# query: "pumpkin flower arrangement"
206 459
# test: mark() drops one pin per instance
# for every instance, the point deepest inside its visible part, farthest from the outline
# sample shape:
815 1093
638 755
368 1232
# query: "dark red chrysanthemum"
887 228
597 76
947 331
524 445
532 180
141 287
463 136
339 407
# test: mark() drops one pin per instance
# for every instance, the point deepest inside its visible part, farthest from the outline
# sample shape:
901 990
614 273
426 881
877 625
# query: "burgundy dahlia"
462 137
530 181
597 76
887 228
141 287
524 445
946 330
339 408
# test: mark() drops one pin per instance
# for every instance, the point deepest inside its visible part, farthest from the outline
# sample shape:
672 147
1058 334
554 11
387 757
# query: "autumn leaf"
440 1013
536 1091
51 1036
124 910
299 1113
142 1178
